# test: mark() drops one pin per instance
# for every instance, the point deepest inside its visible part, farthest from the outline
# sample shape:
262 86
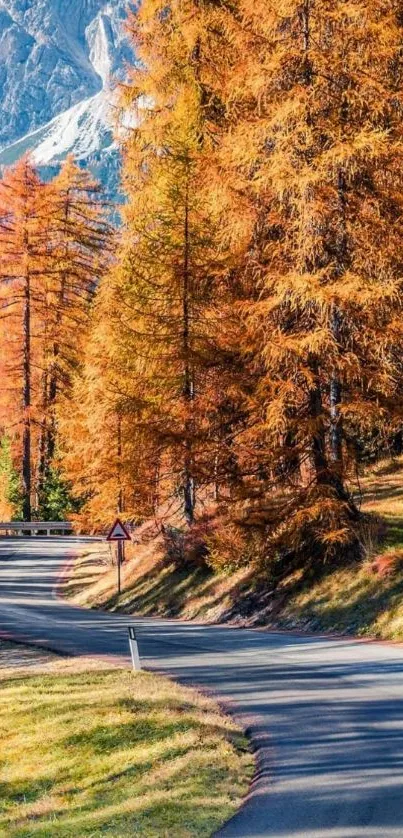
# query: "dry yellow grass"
150 587
90 751
364 599
355 600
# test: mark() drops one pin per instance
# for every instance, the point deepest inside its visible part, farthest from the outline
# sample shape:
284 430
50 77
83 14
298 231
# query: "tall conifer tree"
23 244
310 152
171 271
54 242
80 244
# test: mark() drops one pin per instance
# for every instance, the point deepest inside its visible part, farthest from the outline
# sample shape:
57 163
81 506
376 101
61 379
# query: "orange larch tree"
310 183
23 245
54 247
172 274
80 245
106 449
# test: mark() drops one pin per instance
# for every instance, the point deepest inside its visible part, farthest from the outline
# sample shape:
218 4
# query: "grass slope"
364 599
151 586
90 751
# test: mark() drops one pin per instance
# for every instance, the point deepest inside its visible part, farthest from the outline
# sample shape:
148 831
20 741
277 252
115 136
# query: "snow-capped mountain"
59 60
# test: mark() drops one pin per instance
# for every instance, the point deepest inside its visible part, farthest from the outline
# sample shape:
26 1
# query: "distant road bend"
326 716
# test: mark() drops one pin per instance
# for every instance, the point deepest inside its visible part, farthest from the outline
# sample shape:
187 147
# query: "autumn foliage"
51 240
243 353
251 328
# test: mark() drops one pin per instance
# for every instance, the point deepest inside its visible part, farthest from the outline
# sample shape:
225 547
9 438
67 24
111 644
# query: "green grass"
111 752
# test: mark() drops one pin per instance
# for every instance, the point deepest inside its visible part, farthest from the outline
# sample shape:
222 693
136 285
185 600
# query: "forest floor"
364 599
88 749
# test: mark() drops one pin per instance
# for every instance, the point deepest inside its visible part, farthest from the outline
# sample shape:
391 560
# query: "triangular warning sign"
118 532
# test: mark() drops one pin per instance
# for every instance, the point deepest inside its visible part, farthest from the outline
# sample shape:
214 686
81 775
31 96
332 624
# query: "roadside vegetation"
243 362
365 599
228 361
88 751
362 597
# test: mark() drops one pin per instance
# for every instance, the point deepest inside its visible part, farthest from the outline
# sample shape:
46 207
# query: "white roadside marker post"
134 649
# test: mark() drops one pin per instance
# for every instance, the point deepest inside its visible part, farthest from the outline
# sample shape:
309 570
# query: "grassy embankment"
88 751
365 599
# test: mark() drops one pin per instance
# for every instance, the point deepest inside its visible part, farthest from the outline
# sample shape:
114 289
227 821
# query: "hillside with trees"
231 370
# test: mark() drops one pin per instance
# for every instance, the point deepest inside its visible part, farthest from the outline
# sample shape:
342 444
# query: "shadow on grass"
22 791
166 594
357 615
108 808
394 534
106 738
179 817
89 575
378 493
162 772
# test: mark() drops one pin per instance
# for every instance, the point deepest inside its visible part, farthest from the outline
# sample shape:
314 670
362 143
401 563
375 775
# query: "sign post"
120 534
119 563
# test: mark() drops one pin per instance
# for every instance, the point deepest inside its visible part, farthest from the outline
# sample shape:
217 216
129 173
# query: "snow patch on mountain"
85 128
89 34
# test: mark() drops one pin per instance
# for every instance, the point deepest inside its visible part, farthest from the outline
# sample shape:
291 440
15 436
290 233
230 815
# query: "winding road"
326 716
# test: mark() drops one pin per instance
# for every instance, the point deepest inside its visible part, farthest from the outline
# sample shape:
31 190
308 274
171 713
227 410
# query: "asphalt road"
326 716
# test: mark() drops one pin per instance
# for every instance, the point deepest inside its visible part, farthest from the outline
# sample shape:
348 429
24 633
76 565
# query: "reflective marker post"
134 649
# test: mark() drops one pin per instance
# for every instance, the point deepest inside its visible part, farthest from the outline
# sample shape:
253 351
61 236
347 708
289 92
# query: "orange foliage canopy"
51 240
252 326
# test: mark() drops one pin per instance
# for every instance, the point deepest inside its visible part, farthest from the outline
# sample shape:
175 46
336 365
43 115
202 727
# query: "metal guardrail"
35 527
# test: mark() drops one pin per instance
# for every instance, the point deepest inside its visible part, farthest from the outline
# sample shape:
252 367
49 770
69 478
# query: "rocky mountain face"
59 60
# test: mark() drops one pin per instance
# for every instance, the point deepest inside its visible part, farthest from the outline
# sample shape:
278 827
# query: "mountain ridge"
75 114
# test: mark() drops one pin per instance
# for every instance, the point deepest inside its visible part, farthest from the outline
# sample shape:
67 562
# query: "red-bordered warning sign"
118 532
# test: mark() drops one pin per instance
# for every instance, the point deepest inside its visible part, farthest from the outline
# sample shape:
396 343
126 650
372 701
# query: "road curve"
326 716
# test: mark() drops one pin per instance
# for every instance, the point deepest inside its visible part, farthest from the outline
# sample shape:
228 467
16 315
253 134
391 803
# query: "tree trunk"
188 387
397 444
155 499
120 503
324 474
43 441
319 458
336 426
318 442
306 33
336 390
26 438
51 429
54 377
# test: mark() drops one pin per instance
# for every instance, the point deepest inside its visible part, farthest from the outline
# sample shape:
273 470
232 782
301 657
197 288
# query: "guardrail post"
134 649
